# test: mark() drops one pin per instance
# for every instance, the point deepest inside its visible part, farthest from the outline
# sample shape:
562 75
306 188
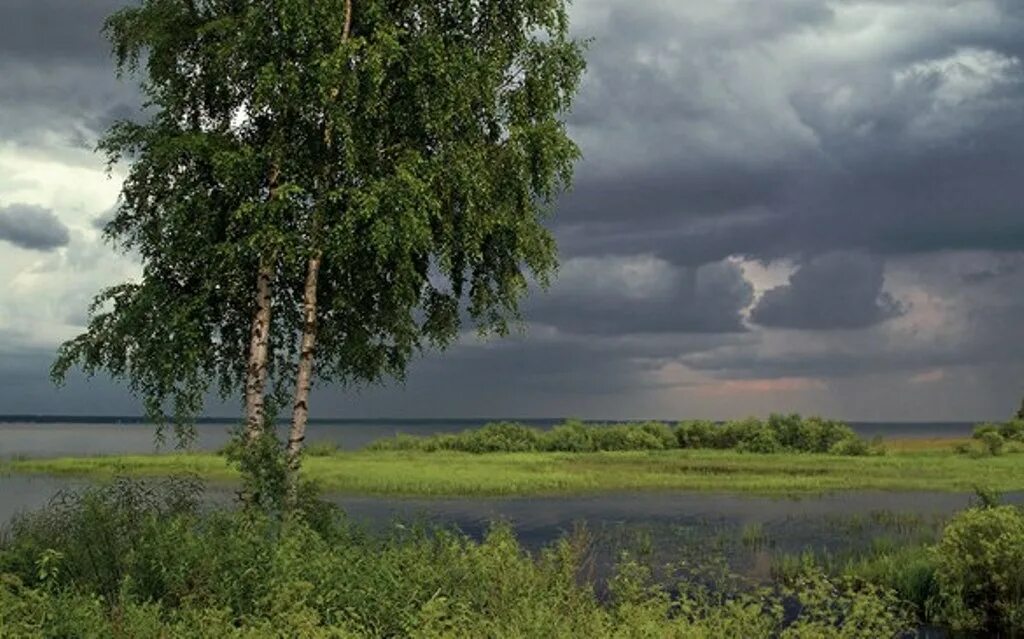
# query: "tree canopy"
350 178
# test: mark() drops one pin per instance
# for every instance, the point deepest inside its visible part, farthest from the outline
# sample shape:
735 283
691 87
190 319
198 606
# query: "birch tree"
323 190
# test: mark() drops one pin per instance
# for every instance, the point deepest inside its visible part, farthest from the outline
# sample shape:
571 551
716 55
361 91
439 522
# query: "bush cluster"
130 562
779 433
993 438
971 580
979 569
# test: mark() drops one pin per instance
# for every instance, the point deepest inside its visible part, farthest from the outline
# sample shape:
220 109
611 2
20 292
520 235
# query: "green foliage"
661 432
908 570
99 536
991 439
235 574
759 440
570 437
504 437
1012 431
696 434
420 470
418 158
619 437
779 434
980 570
322 449
854 447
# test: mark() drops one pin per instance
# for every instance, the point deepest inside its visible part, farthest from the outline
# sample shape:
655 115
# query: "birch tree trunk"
307 353
259 347
304 377
259 340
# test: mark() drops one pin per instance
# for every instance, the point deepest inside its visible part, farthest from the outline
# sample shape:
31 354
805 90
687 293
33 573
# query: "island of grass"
780 456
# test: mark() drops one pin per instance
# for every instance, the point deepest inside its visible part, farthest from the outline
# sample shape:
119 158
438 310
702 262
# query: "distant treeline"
778 433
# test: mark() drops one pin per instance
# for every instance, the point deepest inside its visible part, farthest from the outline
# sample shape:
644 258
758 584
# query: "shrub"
730 434
624 437
991 440
789 430
501 437
696 434
780 433
660 431
569 437
909 571
851 448
822 434
100 535
980 571
1012 431
762 440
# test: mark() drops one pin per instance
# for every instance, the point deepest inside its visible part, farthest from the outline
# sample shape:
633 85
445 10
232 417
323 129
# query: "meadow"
908 466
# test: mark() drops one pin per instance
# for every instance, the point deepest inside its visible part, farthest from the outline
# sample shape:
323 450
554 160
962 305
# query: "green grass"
510 474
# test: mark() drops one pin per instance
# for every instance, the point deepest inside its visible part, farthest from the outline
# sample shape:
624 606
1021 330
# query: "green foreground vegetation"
140 560
449 473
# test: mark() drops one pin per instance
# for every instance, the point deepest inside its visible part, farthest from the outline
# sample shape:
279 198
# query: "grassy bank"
908 466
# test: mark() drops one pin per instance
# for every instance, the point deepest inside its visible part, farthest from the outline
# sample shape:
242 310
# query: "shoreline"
909 465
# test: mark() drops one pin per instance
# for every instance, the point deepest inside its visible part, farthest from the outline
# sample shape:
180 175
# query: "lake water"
748 533
676 520
41 437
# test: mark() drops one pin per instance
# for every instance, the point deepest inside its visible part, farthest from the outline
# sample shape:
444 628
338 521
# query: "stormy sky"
796 205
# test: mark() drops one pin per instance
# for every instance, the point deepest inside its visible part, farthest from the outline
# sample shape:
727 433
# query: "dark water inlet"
826 522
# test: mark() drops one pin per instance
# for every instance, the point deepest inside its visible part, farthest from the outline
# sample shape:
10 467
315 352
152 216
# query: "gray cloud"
796 135
640 294
48 30
32 227
56 74
818 131
832 291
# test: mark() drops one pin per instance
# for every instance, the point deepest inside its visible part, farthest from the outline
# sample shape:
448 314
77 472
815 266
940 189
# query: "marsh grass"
416 473
123 561
754 538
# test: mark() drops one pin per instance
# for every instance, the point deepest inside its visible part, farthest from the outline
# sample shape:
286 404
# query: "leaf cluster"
418 157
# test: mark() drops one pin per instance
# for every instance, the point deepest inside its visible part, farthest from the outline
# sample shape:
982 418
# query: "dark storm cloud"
32 227
642 295
832 291
913 147
42 31
56 74
814 131
987 335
